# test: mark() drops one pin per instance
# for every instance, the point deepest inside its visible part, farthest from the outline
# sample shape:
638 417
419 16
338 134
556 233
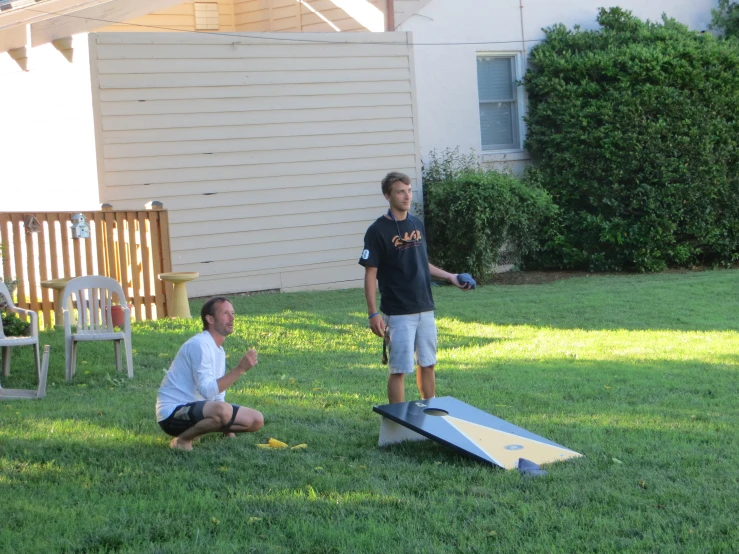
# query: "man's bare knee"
250 419
219 411
257 421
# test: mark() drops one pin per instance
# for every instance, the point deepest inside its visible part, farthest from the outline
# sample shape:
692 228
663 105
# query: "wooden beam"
96 16
13 37
64 45
20 55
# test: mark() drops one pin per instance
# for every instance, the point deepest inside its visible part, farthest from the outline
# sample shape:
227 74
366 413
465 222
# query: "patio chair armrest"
21 311
28 313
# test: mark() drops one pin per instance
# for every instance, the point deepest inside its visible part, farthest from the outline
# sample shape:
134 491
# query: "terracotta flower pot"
116 314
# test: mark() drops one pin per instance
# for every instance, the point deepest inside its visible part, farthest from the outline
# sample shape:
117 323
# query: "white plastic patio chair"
7 343
40 392
92 296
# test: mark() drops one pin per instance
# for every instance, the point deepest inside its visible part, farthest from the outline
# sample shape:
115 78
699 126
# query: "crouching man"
191 401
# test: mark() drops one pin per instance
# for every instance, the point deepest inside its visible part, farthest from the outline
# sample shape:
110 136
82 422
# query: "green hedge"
725 19
471 213
635 128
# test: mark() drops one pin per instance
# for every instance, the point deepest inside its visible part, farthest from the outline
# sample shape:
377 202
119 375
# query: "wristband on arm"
373 315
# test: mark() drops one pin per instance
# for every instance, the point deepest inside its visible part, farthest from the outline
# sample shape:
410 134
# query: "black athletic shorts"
185 416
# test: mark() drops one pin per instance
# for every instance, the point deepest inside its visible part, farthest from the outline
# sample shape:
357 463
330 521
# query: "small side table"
180 306
57 285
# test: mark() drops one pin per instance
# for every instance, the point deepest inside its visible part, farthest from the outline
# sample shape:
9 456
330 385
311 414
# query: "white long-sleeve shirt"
193 375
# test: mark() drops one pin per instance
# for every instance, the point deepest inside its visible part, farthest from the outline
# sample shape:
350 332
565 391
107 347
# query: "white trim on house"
520 95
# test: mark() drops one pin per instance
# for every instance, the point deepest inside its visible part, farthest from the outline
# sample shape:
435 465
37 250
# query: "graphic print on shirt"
408 240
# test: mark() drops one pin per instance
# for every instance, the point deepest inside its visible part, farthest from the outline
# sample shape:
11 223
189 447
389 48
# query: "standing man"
395 256
191 400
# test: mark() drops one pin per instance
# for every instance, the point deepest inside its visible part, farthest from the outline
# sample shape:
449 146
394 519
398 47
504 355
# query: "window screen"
498 102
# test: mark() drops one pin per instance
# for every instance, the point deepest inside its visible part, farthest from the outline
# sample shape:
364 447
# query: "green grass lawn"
638 373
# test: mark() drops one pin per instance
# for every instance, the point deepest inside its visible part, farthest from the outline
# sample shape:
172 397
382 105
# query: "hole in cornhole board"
435 412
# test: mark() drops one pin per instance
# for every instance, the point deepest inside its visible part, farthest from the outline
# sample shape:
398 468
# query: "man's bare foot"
178 444
229 435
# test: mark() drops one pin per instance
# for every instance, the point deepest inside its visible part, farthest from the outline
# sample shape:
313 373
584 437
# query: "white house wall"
407 8
267 153
47 162
447 74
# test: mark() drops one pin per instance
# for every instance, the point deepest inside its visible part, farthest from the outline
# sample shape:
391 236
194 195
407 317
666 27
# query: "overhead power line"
278 38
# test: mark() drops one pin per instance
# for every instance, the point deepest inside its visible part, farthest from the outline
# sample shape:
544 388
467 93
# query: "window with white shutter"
498 94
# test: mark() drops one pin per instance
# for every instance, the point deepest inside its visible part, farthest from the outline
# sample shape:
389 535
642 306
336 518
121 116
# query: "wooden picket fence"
130 246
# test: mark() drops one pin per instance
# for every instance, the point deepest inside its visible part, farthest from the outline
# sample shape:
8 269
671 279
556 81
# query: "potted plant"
116 313
12 325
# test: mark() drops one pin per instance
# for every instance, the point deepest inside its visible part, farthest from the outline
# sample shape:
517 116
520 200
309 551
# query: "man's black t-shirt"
402 265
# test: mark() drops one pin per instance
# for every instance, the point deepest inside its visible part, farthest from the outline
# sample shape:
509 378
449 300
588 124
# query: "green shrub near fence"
635 133
470 212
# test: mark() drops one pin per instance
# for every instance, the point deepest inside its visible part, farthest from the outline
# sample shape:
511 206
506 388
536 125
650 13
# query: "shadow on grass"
704 301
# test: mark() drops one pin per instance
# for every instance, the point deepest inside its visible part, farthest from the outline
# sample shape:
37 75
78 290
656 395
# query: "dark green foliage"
634 128
13 326
726 18
470 213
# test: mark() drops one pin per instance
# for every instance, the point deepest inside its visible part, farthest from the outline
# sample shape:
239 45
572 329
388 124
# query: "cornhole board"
467 430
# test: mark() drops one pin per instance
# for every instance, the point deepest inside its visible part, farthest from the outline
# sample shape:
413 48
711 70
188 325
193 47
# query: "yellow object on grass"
274 443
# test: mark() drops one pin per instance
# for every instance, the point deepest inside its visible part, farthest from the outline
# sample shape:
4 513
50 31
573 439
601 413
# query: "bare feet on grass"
178 444
229 435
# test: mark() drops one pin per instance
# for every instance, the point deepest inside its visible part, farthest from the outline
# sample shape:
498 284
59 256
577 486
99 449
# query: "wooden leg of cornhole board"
392 433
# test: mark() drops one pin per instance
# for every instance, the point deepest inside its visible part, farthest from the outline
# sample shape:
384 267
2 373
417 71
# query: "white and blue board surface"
468 430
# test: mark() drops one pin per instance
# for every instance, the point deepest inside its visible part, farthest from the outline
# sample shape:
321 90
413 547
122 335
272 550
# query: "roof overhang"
47 21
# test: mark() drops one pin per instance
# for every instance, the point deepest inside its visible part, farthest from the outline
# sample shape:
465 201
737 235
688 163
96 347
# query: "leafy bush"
13 326
470 213
726 18
635 130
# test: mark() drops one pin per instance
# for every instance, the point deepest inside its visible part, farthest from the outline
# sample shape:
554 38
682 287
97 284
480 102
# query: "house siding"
176 18
268 154
294 16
